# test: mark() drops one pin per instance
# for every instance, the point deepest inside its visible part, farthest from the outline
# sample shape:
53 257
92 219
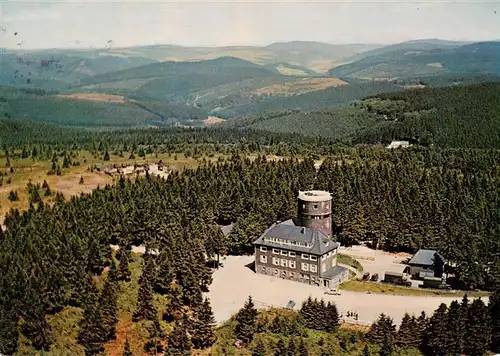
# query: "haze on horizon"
84 24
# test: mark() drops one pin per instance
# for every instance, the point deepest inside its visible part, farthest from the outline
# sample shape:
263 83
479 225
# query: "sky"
85 23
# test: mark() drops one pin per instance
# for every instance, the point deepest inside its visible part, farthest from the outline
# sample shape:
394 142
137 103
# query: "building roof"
226 229
315 195
425 257
296 238
333 272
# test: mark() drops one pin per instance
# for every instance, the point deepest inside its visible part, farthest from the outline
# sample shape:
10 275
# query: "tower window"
315 206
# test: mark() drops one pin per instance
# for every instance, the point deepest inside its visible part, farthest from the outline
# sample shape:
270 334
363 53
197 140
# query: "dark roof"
333 272
321 244
425 257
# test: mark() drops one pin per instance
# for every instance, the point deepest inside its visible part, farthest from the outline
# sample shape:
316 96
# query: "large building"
426 263
301 249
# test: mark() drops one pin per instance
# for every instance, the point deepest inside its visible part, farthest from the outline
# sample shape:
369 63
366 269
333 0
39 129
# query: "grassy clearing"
348 260
26 170
360 286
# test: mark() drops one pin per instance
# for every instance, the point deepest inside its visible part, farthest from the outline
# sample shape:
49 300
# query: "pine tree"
145 301
123 270
259 349
303 348
37 329
456 320
408 333
494 309
387 347
280 348
203 334
382 328
478 329
245 322
9 333
332 317
91 333
437 332
126 349
109 302
106 156
178 342
291 349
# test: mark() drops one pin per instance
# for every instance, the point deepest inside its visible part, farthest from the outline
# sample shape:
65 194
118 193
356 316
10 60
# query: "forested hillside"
459 116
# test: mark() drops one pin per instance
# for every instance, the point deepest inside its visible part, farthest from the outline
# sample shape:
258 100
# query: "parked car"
366 276
332 292
374 277
290 304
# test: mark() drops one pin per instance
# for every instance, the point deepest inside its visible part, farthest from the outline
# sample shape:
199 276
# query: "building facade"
301 250
426 263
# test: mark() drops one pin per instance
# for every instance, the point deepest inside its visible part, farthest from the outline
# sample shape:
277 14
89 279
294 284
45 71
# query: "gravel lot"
234 282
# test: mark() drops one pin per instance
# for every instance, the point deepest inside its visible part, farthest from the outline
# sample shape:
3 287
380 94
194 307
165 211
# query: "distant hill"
423 59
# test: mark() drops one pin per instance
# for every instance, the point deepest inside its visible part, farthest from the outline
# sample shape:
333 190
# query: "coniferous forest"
404 199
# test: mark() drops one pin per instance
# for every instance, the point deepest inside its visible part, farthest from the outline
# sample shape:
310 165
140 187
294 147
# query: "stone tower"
315 210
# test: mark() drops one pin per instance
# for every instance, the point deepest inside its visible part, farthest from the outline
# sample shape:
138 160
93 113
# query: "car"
332 292
290 304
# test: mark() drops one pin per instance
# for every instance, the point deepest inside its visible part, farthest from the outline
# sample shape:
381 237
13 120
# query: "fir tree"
245 322
332 317
494 309
178 342
109 302
408 333
292 348
106 156
123 270
478 329
303 348
259 349
203 334
382 328
456 319
37 329
91 333
437 332
280 348
146 309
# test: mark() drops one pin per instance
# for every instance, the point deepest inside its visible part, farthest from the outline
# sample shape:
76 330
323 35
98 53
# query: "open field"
301 86
25 171
269 291
107 98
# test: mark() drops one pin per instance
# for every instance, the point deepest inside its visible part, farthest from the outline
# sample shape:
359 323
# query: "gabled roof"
226 229
425 257
294 235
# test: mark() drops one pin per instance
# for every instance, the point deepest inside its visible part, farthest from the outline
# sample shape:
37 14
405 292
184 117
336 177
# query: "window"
305 266
291 264
314 269
263 269
291 254
284 263
276 251
305 257
263 258
263 249
283 273
275 271
291 274
315 206
276 261
314 258
284 253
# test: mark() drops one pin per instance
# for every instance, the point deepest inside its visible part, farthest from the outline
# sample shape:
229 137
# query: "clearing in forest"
300 86
101 97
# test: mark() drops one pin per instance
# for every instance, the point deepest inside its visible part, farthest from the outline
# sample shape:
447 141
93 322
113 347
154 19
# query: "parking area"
234 282
377 261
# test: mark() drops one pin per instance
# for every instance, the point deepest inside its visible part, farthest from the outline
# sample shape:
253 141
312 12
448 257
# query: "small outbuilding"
426 263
